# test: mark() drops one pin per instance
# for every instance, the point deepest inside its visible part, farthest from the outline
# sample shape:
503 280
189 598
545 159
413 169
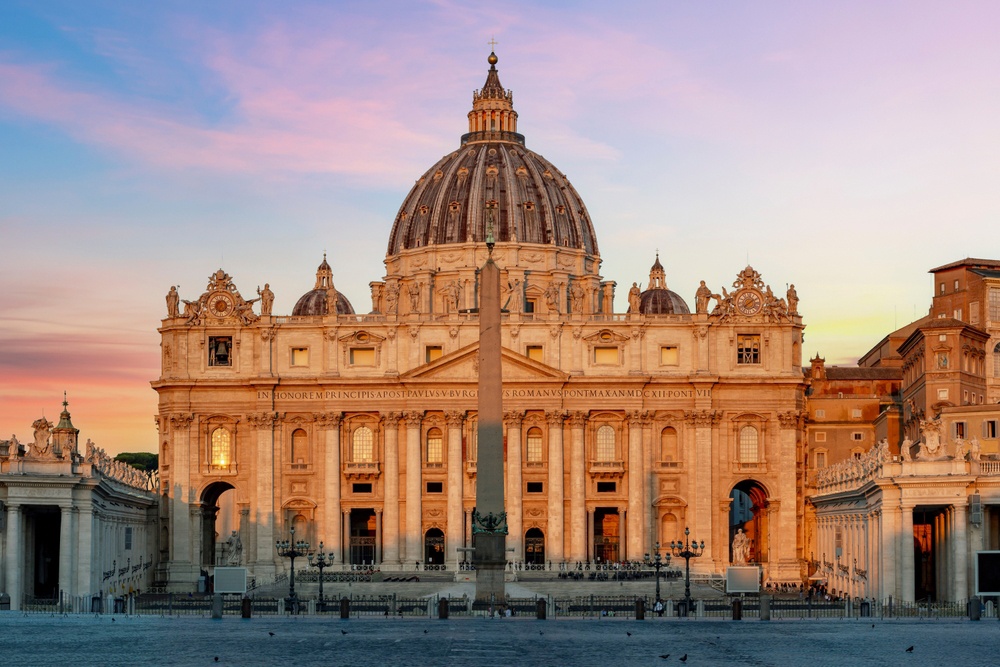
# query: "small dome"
314 303
659 301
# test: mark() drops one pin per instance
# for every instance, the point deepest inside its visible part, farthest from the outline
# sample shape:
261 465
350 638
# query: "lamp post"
656 562
687 550
291 549
322 562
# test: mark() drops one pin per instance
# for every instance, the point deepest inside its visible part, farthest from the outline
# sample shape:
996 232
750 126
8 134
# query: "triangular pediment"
463 365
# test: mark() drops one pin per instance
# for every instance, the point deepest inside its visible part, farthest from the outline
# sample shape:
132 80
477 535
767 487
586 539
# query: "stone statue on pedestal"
741 548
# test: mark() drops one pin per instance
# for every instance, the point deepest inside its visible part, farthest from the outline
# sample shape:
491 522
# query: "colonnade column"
907 587
636 486
184 439
14 556
390 504
889 527
959 554
414 521
455 534
330 532
346 543
554 537
67 549
512 495
85 552
577 488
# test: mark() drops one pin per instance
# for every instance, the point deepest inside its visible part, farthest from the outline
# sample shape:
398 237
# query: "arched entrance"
606 534
748 511
218 521
434 547
534 547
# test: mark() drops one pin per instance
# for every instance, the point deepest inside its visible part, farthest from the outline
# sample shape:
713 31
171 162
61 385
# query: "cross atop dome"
493 107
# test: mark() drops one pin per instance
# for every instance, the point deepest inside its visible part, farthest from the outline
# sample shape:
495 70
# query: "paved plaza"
44 639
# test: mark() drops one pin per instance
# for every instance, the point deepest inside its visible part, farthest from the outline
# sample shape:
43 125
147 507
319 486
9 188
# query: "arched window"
605 444
748 445
996 361
435 450
534 445
222 450
299 446
668 444
362 445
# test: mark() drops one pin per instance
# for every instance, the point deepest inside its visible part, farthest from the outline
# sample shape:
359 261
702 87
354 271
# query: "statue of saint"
576 296
266 300
414 292
741 548
634 299
701 298
173 300
974 449
515 300
235 549
552 297
391 298
451 292
793 300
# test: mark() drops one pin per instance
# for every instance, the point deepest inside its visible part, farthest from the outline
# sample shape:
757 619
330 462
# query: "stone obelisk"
489 521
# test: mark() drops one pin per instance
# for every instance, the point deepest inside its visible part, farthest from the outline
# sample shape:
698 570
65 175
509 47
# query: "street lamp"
656 562
687 550
291 549
322 562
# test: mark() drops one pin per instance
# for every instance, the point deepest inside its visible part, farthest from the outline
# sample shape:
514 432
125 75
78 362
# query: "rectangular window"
821 436
220 350
432 352
960 430
670 355
536 487
990 428
941 288
748 349
942 394
362 356
994 304
300 356
435 447
957 314
956 285
435 487
128 538
821 414
820 459
855 414
606 355
529 305
857 436
974 312
362 487
534 352
607 487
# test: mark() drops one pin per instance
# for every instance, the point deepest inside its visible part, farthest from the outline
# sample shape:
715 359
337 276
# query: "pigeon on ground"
665 656
343 632
909 650
217 658
540 632
425 632
684 658
271 633
628 633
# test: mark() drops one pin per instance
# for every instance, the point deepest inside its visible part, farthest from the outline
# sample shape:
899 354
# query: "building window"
361 487
222 453
990 428
994 304
996 360
820 414
362 445
432 352
819 459
536 487
435 487
942 394
855 414
534 352
956 285
607 487
668 444
821 436
857 436
472 449
128 538
941 288
299 445
362 356
435 450
748 445
670 355
605 450
300 356
534 446
957 314
529 305
220 350
606 355
959 430
748 349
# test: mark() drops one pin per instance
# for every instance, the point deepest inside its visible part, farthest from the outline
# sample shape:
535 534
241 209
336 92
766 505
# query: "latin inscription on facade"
408 394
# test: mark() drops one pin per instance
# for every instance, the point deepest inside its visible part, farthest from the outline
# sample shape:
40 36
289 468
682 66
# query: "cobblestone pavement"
43 639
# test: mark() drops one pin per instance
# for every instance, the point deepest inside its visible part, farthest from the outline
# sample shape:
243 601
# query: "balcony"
607 469
361 469
470 468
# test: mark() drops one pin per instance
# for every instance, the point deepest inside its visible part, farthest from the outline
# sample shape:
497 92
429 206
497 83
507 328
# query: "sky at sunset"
846 147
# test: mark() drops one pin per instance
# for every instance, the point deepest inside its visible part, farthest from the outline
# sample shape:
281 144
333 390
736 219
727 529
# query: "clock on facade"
749 302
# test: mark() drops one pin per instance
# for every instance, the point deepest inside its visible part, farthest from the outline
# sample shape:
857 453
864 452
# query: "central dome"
493 173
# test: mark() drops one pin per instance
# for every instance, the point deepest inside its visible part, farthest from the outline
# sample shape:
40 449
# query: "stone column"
889 527
554 534
67 550
390 504
182 571
456 529
907 584
577 488
14 555
700 515
330 533
378 537
266 511
590 547
515 523
414 460
959 554
85 550
636 486
346 531
197 535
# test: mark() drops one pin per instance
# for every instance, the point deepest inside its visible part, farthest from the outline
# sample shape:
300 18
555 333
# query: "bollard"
640 609
975 612
217 605
765 607
737 609
246 608
443 609
345 608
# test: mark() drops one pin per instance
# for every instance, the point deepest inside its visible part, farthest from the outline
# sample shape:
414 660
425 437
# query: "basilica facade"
622 426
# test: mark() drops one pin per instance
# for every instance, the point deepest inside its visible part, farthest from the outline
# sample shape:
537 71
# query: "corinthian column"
515 537
577 487
414 522
456 528
636 484
331 533
390 504
14 555
554 537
